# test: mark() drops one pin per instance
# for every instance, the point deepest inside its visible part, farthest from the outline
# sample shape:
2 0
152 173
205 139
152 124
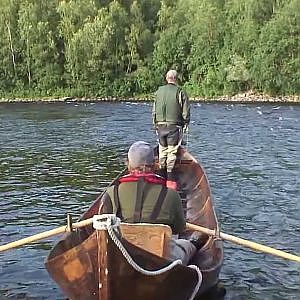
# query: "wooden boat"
93 264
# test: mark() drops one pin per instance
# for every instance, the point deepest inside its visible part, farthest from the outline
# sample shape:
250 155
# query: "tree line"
124 48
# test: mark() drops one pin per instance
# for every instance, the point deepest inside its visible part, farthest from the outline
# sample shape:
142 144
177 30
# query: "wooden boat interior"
73 261
154 238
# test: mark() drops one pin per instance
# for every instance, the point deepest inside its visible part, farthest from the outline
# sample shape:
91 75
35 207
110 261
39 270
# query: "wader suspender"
117 202
157 207
139 201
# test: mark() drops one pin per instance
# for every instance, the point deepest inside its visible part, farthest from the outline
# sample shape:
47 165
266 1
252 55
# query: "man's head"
171 76
140 156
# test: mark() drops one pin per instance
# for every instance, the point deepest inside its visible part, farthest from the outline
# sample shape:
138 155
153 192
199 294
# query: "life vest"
148 177
140 177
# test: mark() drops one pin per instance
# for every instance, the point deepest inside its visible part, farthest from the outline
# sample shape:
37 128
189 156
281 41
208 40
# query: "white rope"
197 286
109 225
112 222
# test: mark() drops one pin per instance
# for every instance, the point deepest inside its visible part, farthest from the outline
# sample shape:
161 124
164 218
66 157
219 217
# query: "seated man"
142 196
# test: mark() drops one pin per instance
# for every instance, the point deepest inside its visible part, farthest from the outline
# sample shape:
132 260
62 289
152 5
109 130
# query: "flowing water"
56 158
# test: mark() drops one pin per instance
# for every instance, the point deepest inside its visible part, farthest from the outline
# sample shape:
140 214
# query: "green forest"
97 48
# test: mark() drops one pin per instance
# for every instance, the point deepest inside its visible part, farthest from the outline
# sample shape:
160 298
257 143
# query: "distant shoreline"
248 97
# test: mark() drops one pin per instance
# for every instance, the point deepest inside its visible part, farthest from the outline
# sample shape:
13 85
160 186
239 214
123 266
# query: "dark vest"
168 108
140 180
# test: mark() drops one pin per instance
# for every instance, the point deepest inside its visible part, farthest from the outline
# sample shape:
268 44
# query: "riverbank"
248 97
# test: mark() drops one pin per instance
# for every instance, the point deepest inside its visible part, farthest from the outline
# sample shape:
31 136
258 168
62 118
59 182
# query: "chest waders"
139 201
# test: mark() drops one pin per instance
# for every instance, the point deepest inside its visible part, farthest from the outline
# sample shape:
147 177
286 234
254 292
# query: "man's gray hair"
140 154
171 74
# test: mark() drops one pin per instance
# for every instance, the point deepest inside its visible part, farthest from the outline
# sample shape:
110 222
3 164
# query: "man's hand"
186 128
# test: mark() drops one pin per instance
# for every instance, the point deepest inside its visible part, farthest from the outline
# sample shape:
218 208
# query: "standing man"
171 117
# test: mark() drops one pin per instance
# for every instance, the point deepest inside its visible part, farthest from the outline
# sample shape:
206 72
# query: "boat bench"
154 238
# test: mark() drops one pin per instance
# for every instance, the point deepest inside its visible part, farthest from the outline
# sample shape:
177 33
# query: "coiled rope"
110 223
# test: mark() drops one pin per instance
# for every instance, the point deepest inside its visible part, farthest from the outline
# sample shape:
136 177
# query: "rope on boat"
113 222
110 223
197 287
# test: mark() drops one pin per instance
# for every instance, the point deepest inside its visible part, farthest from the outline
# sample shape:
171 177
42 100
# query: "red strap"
148 177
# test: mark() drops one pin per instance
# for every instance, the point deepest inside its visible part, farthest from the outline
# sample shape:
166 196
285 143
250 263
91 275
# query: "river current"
55 158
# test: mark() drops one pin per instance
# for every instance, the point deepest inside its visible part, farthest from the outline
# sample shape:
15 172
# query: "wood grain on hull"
74 262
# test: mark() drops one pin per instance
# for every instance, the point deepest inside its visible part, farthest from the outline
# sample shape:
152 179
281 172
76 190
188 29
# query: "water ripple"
56 158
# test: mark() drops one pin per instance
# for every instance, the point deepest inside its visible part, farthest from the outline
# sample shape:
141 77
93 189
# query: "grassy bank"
249 97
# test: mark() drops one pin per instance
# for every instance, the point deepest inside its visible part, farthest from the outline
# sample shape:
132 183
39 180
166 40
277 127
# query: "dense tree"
241 34
73 16
96 52
139 39
277 57
206 29
8 44
172 46
37 22
124 47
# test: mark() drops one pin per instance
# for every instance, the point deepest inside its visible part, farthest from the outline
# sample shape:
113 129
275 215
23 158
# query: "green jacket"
171 212
171 106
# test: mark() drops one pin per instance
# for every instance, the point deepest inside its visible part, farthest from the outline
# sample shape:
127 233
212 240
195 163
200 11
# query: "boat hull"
79 276
74 263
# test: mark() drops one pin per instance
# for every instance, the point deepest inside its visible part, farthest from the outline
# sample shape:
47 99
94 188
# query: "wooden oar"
224 236
45 234
246 243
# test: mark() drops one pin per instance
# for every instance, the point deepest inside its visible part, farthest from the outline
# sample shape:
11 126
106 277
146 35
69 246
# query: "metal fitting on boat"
69 223
102 222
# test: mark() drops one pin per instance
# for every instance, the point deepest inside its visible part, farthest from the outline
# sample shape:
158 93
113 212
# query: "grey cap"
140 154
172 74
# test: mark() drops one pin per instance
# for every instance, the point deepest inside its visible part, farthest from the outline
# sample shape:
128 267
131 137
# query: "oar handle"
44 235
246 243
224 236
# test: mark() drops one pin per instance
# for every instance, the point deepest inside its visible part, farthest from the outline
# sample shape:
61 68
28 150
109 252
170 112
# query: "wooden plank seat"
154 238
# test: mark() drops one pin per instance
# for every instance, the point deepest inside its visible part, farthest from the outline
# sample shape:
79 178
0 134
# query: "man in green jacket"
142 196
171 117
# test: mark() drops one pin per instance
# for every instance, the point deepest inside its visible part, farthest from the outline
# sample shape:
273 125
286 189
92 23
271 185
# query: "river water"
56 158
